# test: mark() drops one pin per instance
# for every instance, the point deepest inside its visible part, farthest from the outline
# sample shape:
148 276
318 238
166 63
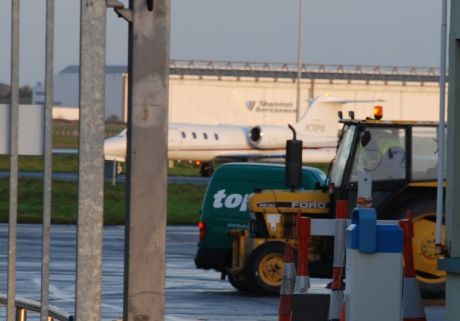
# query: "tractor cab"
400 156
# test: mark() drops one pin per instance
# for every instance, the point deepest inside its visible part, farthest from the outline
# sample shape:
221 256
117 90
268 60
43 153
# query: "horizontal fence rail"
23 306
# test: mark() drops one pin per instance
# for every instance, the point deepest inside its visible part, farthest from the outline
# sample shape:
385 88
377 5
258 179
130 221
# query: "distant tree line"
25 94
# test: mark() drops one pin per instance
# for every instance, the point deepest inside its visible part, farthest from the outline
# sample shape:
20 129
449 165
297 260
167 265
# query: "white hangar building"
262 93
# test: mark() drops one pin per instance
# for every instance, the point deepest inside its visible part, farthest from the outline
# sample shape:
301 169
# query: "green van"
225 206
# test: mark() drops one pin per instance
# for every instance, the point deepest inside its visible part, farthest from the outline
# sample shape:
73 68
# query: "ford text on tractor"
400 156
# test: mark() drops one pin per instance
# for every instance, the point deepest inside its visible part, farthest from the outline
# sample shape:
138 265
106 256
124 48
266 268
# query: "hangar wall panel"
250 102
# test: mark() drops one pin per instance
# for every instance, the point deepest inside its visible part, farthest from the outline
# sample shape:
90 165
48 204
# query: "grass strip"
184 202
69 163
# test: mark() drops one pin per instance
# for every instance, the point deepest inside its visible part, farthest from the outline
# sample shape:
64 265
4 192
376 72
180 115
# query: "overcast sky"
358 32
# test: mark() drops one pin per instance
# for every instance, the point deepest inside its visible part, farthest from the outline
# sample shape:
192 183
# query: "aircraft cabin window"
194 135
205 136
183 135
216 136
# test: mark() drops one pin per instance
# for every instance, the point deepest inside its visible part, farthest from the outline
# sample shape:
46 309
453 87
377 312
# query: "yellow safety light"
378 112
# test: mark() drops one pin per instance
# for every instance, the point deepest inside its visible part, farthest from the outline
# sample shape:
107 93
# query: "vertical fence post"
147 161
453 170
91 160
13 199
47 160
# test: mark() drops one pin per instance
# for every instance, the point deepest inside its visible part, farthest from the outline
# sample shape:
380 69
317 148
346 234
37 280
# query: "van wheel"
237 283
432 280
265 268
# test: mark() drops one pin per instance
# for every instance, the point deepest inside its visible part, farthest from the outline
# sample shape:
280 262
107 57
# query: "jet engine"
268 137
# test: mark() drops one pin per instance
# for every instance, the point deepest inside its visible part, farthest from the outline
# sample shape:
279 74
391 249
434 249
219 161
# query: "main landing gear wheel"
206 169
265 268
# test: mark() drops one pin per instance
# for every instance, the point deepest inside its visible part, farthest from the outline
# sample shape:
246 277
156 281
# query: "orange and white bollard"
412 299
302 281
309 304
287 285
336 299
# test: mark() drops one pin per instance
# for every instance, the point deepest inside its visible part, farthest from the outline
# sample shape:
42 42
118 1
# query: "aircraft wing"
309 155
251 157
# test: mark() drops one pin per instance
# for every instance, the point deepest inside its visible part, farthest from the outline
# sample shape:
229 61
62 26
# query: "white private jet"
317 129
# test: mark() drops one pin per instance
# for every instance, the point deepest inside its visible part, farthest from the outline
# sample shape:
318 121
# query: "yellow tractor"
400 156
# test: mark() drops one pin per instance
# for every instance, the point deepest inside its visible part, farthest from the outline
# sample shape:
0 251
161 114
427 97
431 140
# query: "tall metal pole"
14 136
145 223
299 59
441 129
47 172
91 160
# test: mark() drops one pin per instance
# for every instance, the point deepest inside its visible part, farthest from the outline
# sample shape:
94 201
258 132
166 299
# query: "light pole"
299 58
441 130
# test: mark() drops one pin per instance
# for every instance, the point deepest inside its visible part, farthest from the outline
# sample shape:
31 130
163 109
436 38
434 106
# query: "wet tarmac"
191 294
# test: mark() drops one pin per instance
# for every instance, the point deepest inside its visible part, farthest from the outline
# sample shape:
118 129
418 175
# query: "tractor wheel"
432 280
264 269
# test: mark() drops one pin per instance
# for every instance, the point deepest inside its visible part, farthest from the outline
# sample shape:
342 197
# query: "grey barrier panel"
30 128
91 160
47 170
144 292
13 199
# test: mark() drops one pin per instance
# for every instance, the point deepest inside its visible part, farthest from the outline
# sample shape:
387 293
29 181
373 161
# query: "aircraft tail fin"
321 118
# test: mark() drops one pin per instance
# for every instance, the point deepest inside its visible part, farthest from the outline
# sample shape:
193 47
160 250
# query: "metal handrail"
24 305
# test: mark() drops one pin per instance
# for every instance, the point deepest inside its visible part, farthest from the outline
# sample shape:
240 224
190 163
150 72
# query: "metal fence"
148 37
